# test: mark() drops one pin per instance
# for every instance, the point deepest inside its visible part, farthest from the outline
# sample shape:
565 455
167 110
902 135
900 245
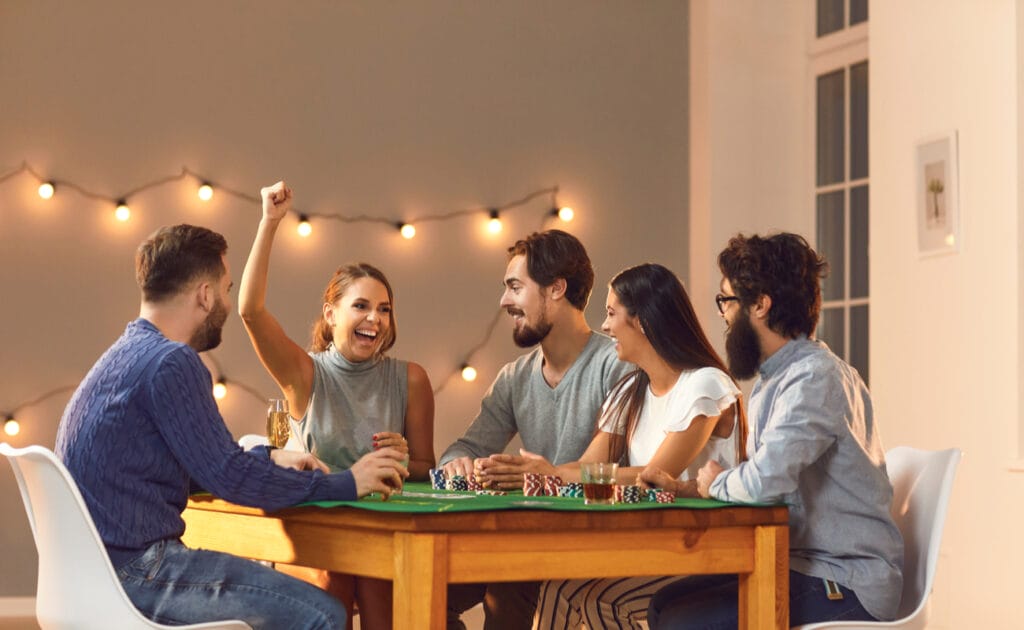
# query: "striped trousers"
619 603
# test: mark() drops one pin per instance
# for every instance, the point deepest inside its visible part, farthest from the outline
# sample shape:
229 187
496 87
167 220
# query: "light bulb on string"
408 230
11 426
123 212
468 373
205 191
305 228
220 388
46 190
494 224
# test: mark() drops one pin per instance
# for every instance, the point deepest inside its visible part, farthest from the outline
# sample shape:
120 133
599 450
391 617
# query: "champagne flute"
278 427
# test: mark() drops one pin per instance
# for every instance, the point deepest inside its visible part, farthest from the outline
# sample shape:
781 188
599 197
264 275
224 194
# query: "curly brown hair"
785 268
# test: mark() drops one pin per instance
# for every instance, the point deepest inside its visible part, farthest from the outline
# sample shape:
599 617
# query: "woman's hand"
386 439
277 201
380 471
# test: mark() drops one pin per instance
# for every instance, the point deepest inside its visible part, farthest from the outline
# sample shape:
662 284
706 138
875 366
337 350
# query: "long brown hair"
654 295
342 279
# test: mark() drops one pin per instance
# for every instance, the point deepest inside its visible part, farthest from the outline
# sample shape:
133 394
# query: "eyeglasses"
720 300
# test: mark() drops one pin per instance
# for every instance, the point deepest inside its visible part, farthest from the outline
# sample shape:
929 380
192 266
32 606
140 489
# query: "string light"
220 388
494 224
11 426
123 212
205 192
304 229
564 213
468 373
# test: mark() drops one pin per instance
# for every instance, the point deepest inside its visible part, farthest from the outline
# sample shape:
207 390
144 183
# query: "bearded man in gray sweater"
550 396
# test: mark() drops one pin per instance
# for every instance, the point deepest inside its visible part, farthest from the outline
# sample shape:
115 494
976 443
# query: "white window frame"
840 49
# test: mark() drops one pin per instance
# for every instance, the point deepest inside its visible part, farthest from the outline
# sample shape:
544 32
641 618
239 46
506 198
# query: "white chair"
78 588
922 482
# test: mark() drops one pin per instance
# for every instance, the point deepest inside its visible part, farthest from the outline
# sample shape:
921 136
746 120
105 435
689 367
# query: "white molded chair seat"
922 482
78 588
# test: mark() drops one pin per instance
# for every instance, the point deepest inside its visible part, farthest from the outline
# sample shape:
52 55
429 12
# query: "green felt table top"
420 497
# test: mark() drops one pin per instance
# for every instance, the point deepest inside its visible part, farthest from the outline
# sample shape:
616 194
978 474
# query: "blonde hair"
343 278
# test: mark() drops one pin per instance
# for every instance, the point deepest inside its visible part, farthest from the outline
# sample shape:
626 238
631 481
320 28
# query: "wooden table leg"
421 581
764 594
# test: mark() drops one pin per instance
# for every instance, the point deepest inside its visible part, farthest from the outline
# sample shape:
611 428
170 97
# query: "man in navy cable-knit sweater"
143 427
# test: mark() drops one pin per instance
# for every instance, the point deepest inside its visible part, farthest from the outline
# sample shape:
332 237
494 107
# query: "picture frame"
938 195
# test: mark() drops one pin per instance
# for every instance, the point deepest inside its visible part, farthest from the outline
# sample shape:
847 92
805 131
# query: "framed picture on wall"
938 198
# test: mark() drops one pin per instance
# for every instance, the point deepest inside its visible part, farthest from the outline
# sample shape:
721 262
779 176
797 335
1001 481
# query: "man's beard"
742 347
208 335
528 336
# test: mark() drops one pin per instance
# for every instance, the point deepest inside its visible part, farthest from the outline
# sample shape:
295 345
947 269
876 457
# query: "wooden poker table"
425 539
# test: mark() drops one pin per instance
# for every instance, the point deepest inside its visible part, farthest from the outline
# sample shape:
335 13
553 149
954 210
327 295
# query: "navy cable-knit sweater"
143 426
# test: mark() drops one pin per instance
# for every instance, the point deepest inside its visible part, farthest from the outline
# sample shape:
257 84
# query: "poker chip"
459 483
493 493
577 489
651 495
437 479
664 496
618 493
533 485
630 494
551 484
565 491
474 484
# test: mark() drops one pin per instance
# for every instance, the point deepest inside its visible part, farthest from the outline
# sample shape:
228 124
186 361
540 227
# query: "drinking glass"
278 427
598 482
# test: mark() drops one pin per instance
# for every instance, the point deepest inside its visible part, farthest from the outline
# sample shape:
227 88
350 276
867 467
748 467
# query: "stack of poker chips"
551 485
458 483
572 490
437 479
533 485
627 494
664 496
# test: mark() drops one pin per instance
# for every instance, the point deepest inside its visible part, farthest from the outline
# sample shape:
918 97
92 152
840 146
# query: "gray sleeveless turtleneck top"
350 403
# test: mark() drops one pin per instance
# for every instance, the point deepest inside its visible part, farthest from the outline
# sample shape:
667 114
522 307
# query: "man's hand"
277 201
706 476
380 471
505 472
297 460
460 466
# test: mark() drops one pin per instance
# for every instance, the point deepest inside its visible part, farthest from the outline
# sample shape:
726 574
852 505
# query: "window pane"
830 16
831 109
858 14
831 242
859 120
830 329
859 340
859 262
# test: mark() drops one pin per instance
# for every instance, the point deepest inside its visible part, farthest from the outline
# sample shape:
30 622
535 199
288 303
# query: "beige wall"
944 364
946 352
388 109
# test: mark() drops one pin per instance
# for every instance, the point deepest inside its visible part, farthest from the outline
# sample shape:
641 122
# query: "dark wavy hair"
783 267
554 254
656 297
342 279
174 257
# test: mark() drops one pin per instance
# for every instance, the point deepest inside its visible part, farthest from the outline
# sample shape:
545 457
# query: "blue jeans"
174 585
712 602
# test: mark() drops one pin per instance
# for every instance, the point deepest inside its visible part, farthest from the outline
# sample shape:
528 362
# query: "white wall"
944 364
389 109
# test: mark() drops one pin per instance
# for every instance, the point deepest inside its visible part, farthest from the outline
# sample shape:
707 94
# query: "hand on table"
460 466
380 471
654 477
706 476
297 460
505 472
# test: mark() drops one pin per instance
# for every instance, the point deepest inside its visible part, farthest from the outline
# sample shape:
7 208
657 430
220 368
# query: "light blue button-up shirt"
814 446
